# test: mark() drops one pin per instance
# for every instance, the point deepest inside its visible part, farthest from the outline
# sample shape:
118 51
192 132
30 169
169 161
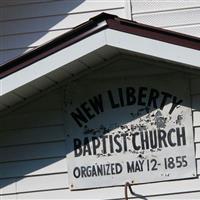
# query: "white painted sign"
135 133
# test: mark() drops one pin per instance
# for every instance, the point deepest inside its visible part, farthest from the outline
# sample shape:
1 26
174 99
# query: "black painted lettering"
86 148
108 169
83 172
112 168
137 166
104 169
104 137
153 139
153 97
79 117
94 172
97 104
95 144
141 162
112 102
130 167
89 171
121 98
130 96
99 170
77 147
76 172
87 110
136 147
111 144
175 103
144 140
116 140
124 135
162 138
169 137
118 168
166 96
181 139
141 96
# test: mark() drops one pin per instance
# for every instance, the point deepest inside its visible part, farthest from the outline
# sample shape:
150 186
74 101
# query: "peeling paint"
160 121
179 119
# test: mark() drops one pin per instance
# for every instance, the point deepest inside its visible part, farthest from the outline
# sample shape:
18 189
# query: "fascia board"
114 38
52 62
155 48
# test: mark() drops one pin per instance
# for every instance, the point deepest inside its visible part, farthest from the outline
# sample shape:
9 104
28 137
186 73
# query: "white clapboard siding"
32 151
57 8
9 197
5 3
186 195
35 183
51 101
49 22
170 18
197 134
195 89
154 6
195 101
48 178
55 181
196 118
23 30
34 119
180 16
197 150
7 55
63 194
33 167
33 146
59 181
188 29
21 40
198 166
8 186
32 135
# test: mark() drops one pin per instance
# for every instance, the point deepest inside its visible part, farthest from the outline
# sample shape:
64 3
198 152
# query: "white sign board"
134 133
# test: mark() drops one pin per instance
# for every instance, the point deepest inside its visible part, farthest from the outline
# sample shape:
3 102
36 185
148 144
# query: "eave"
101 32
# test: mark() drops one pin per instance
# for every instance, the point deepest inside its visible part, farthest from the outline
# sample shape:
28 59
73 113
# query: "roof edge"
155 33
91 27
76 34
